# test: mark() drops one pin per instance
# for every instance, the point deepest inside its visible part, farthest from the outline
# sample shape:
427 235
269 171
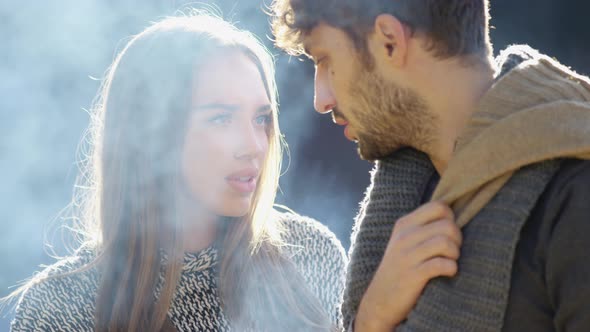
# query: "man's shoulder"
552 255
572 180
565 203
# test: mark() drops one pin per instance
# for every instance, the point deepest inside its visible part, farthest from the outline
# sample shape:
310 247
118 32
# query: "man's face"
377 112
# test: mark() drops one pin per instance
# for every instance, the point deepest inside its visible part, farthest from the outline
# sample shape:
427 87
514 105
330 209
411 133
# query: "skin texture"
227 133
398 94
380 114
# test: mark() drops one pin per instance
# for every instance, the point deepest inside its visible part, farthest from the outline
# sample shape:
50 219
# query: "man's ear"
391 39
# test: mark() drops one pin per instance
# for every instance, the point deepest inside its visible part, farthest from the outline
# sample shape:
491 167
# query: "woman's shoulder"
60 297
311 236
319 257
312 247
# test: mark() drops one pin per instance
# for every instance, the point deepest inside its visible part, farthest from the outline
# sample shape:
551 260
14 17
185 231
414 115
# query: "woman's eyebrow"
230 107
264 109
227 107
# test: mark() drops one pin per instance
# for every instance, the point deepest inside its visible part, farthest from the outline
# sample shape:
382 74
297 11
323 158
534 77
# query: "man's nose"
324 100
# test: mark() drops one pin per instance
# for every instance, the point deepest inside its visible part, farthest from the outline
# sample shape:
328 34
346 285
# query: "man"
502 142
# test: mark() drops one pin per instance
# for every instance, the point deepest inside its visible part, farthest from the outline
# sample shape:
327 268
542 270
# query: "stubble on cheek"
390 117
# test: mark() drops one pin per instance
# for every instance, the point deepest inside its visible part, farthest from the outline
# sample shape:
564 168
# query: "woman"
179 230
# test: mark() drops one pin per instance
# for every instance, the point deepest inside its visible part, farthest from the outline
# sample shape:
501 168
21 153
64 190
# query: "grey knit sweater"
67 303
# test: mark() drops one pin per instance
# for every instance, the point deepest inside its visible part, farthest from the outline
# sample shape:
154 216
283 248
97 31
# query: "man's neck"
454 96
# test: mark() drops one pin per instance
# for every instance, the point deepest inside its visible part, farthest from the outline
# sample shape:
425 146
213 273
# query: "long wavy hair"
129 190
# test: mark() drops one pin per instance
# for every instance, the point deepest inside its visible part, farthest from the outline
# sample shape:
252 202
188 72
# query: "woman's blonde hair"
129 190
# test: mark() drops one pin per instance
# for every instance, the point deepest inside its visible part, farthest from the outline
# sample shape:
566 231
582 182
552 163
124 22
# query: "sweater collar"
196 261
199 261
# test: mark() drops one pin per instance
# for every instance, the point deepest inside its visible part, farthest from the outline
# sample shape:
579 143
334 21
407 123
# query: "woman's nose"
252 144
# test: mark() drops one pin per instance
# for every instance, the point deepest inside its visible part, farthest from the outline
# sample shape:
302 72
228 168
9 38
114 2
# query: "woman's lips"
243 181
243 185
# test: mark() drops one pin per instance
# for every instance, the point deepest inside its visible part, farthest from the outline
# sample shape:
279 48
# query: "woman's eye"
220 119
263 120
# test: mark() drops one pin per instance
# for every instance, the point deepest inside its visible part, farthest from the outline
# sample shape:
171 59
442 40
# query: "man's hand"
424 245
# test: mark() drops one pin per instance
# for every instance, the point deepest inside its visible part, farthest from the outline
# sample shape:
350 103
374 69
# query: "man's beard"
388 117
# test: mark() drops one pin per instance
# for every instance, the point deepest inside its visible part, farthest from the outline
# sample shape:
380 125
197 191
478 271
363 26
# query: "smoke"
52 59
51 51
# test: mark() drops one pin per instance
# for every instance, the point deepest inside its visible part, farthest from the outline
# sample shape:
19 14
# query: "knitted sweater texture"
67 303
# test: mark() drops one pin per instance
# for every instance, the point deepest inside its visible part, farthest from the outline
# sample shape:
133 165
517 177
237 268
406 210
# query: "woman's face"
227 137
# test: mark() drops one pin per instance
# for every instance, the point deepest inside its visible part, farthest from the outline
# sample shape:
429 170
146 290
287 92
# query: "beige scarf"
520 121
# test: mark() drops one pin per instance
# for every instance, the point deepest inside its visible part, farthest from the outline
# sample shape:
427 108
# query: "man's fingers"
414 236
437 246
426 214
437 267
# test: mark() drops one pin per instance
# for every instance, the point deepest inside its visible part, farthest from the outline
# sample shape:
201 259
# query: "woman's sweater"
67 303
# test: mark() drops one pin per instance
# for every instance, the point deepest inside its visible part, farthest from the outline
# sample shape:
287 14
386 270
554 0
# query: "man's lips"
340 122
344 123
347 133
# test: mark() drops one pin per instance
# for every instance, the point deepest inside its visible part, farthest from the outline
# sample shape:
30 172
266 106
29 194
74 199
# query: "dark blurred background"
53 53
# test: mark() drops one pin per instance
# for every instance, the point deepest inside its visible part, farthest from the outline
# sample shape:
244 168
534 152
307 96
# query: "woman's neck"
199 231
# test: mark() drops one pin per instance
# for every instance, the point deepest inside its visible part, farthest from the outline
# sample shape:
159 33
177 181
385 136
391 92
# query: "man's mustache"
336 114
